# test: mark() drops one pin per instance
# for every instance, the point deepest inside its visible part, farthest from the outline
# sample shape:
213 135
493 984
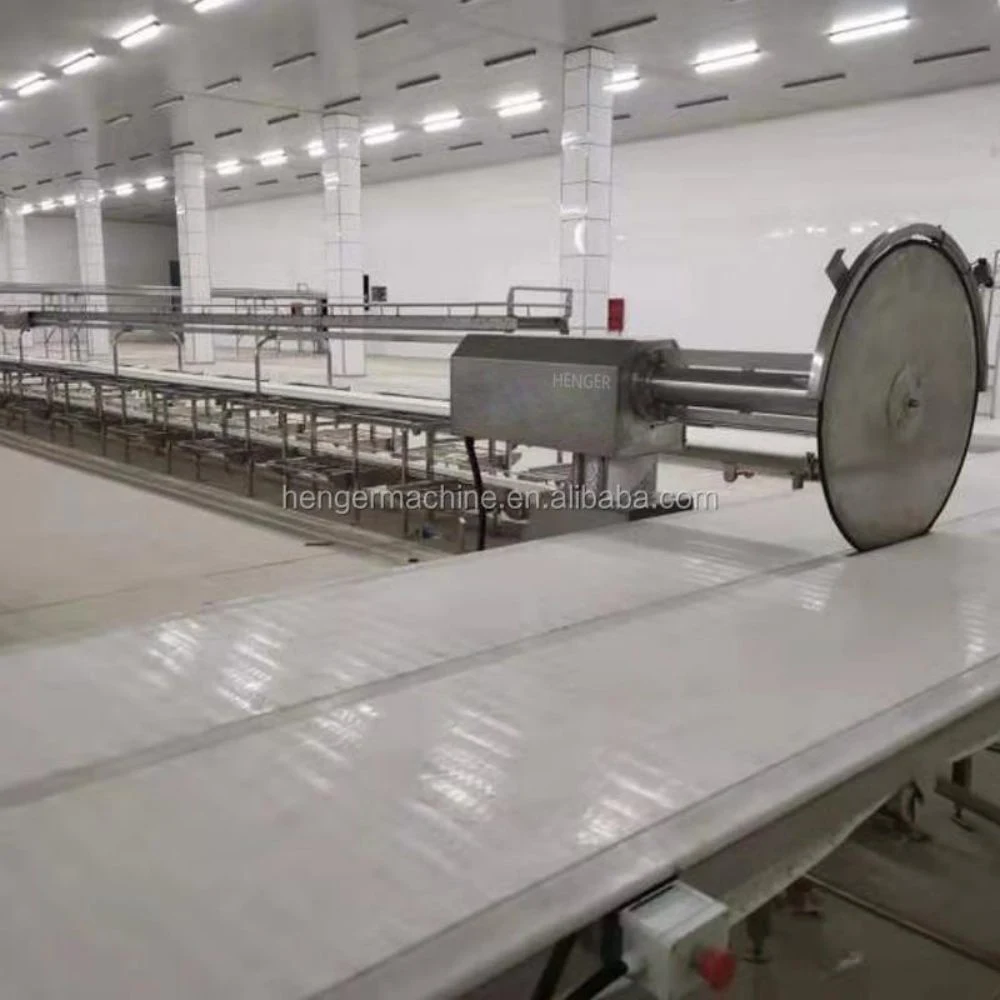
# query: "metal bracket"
837 271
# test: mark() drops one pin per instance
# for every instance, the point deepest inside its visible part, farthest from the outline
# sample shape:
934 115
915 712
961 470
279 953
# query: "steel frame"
325 442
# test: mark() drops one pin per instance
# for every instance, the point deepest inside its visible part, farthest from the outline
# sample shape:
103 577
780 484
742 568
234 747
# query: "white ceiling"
449 38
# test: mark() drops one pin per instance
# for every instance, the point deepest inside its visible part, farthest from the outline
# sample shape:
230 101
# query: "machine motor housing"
572 394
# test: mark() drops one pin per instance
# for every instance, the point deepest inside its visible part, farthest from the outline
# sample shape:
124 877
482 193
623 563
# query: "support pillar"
342 229
586 187
90 254
15 253
585 252
192 246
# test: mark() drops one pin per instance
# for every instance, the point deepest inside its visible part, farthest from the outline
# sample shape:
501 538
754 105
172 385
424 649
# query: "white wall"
720 238
135 253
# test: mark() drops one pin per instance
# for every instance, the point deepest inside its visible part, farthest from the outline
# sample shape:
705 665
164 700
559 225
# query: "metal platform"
397 787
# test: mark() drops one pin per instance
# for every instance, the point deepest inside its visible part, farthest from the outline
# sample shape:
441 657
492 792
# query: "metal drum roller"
890 392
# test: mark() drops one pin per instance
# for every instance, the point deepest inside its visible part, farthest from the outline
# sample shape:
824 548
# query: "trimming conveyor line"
397 787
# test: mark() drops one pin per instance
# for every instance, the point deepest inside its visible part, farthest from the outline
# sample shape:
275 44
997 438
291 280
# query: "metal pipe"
773 423
766 361
755 378
965 949
733 396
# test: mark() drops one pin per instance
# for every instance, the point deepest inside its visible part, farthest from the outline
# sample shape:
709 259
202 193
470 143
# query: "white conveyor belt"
395 787
413 405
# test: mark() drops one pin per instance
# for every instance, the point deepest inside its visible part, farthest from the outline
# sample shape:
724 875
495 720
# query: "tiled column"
15 252
90 253
342 227
192 246
586 230
586 187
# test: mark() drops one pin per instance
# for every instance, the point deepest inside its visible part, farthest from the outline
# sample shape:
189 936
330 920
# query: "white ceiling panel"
254 75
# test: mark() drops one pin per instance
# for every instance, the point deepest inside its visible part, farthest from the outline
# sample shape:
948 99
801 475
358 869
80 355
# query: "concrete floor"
84 554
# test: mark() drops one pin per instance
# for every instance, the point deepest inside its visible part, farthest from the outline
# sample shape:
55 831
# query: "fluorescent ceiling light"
139 32
155 183
379 135
204 6
316 149
27 209
731 57
69 200
885 22
47 205
80 63
520 104
273 158
442 121
32 84
125 190
226 168
623 80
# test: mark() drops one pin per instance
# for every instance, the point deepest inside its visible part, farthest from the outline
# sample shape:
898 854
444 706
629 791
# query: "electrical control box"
677 941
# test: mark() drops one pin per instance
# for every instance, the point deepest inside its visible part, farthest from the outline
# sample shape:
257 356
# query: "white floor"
84 554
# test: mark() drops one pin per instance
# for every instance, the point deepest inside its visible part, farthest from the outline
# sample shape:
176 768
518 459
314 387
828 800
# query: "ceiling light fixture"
80 63
419 81
623 80
273 158
155 183
858 29
293 60
69 201
118 120
226 168
316 149
204 6
125 190
379 135
32 84
520 104
443 121
48 205
27 209
614 29
731 57
230 81
381 29
509 57
139 32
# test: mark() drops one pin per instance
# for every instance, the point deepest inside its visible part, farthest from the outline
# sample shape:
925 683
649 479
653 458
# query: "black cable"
477 478
554 968
599 982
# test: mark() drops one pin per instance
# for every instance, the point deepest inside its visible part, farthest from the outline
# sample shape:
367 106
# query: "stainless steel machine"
889 393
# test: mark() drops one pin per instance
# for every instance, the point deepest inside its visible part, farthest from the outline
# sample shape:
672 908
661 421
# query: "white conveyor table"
398 786
417 406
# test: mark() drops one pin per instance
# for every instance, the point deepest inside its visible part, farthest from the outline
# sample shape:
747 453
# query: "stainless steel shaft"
777 394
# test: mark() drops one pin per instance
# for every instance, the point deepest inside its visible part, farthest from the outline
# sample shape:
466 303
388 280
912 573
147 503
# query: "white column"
586 187
192 246
342 227
15 252
585 256
90 254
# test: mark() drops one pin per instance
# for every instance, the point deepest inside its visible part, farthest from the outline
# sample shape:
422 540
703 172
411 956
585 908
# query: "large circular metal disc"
899 401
